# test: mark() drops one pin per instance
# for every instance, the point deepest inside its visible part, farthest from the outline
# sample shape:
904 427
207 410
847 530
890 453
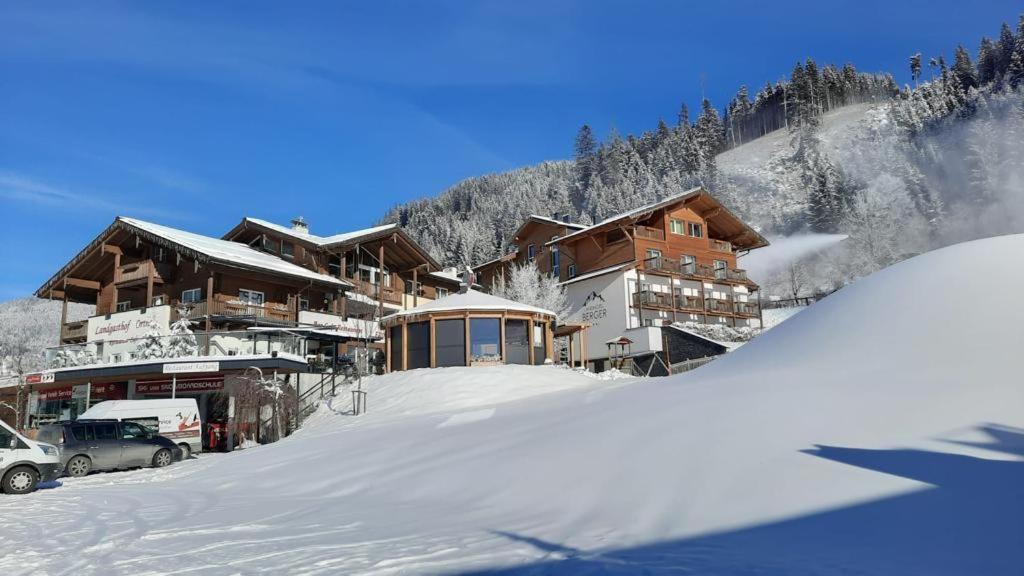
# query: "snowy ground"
879 431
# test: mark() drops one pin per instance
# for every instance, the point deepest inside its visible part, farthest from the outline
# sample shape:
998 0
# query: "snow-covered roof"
636 211
550 220
469 300
230 253
322 240
730 346
446 275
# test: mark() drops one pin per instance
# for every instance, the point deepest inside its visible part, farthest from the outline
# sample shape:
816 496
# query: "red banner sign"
62 393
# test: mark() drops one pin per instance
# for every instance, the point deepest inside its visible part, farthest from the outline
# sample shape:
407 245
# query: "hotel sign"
130 324
191 367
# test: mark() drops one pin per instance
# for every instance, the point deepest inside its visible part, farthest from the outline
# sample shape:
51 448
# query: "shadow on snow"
971 521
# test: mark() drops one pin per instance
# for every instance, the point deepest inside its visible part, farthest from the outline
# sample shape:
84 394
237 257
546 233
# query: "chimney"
567 218
467 279
299 225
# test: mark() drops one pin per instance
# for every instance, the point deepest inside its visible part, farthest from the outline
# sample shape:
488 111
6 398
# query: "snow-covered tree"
526 284
182 342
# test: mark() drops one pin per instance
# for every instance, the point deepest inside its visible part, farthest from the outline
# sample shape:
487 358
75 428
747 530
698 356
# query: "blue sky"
197 114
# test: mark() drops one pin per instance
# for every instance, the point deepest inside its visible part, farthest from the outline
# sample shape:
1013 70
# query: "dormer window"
287 249
696 230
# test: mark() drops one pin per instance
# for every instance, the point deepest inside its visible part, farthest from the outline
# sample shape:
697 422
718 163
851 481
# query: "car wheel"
161 458
186 451
20 480
78 466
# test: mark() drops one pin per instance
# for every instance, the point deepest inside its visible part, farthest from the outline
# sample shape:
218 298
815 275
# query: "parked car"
88 445
24 463
174 418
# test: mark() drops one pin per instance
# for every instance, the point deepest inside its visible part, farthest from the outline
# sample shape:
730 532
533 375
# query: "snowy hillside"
879 431
27 326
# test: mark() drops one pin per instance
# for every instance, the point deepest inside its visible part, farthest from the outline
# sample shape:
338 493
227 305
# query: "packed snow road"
879 431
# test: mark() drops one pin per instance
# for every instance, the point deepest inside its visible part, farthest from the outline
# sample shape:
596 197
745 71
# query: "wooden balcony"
74 331
225 306
138 273
694 304
649 233
698 271
387 294
720 245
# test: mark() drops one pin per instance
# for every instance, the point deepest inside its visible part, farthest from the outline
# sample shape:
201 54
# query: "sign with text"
39 378
163 386
191 367
130 324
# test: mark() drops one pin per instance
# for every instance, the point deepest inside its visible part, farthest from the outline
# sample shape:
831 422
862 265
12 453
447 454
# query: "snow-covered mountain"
877 432
27 327
826 151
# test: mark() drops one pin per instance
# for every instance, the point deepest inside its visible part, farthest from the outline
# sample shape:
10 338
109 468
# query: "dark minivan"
90 445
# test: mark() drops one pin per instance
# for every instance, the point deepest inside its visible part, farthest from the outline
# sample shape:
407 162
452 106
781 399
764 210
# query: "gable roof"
338 241
470 300
738 231
346 237
197 246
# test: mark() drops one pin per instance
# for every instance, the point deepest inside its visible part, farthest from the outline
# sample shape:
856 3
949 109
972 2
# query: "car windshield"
51 434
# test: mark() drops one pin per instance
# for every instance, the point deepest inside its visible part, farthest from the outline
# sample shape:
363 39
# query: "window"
531 252
303 303
696 230
517 342
124 306
442 292
287 249
555 261
720 268
131 430
270 244
485 339
251 297
418 345
676 226
449 343
193 295
688 264
157 300
81 433
334 266
572 271
652 253
104 430
350 265
5 438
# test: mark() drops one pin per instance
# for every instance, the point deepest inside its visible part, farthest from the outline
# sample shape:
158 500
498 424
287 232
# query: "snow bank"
880 431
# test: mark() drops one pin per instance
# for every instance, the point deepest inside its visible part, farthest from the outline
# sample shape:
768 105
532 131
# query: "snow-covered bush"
721 333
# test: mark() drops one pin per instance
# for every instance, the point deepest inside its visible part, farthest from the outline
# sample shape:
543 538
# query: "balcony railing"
230 307
679 301
74 330
649 233
720 245
696 270
138 272
178 346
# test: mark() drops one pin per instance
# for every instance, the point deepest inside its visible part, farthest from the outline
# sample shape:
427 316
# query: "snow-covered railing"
175 345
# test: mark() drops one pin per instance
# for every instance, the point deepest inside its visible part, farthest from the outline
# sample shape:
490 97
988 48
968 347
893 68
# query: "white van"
24 463
177 419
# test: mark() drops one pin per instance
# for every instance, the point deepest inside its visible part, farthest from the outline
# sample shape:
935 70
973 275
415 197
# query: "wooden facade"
531 245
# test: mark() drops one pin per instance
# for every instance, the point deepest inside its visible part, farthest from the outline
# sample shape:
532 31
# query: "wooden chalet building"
531 240
265 296
671 261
